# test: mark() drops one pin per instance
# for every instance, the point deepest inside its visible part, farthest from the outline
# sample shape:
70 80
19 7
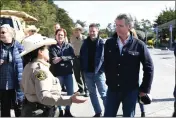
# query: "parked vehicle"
17 20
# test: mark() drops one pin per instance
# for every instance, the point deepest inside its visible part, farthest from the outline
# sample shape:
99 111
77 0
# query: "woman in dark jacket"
61 55
11 68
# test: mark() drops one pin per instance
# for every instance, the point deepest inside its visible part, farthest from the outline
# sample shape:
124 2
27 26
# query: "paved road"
162 89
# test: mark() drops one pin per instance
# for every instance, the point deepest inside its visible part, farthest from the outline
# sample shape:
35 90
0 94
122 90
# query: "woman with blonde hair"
140 105
134 33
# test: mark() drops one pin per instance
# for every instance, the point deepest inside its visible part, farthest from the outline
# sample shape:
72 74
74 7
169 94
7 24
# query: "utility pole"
156 31
170 28
146 36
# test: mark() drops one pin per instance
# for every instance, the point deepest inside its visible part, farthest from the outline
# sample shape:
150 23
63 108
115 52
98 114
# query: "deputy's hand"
56 60
78 99
1 61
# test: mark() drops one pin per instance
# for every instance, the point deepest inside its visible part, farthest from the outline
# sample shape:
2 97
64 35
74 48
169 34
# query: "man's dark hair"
128 19
93 25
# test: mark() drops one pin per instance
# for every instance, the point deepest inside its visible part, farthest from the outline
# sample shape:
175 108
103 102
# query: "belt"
5 62
36 104
47 110
77 56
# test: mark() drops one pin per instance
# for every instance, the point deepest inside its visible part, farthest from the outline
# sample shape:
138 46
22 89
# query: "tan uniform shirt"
39 85
77 43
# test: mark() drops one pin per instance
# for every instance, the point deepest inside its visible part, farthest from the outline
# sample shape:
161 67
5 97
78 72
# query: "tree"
6 5
50 1
103 33
165 16
82 23
136 24
146 25
110 29
45 11
65 21
98 25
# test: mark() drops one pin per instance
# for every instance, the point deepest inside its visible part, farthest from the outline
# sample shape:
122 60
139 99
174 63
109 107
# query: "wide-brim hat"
32 27
78 26
35 41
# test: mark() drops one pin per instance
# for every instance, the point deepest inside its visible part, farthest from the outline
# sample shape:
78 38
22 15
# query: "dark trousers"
142 108
113 100
79 75
7 98
174 114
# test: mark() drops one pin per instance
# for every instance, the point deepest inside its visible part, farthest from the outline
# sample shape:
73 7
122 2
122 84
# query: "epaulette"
39 67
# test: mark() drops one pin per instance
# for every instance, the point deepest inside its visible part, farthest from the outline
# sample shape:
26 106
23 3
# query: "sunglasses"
33 31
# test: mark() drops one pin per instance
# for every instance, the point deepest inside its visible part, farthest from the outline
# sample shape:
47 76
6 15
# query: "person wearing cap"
61 55
30 30
42 90
123 54
76 41
11 67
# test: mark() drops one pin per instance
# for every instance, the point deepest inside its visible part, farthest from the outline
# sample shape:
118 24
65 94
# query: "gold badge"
41 75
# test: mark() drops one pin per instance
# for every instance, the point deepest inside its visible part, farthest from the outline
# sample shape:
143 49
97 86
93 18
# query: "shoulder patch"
41 75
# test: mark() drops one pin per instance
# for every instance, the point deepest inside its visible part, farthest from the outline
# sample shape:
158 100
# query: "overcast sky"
105 12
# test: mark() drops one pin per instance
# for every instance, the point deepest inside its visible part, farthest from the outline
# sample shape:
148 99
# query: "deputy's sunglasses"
33 31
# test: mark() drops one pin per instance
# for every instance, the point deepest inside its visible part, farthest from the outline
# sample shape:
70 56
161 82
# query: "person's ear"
40 52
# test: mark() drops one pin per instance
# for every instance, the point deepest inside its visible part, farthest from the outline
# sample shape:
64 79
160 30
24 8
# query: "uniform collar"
43 62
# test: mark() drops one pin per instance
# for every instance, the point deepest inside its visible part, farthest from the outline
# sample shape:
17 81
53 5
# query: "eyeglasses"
33 31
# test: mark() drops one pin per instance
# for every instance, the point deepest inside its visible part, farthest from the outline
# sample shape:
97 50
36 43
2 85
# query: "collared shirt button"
118 85
119 64
122 54
117 74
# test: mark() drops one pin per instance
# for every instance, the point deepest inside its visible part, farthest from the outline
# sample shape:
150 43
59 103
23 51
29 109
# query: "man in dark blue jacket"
92 65
122 57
